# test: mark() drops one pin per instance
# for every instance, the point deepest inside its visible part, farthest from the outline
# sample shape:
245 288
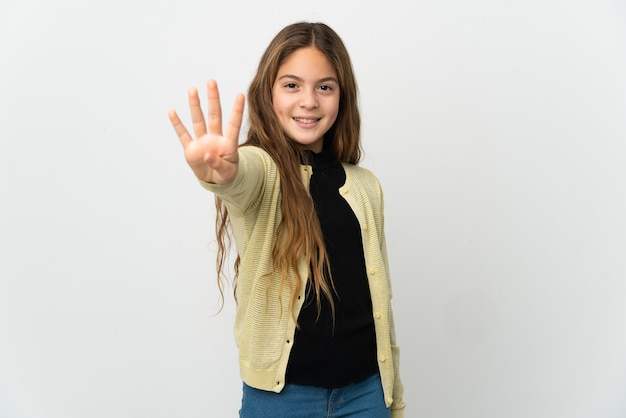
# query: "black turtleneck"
324 355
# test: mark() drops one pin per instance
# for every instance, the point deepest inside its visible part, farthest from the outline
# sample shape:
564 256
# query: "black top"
323 355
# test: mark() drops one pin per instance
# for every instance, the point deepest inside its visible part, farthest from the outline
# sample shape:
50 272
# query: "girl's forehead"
307 61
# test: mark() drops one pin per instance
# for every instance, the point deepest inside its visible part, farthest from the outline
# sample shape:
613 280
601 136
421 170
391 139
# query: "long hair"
299 234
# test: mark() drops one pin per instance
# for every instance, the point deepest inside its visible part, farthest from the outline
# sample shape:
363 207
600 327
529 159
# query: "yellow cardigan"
264 325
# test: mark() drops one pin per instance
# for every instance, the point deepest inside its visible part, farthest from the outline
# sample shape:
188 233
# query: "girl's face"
305 97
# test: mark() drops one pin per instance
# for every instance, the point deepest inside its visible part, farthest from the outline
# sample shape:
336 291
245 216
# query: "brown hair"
300 231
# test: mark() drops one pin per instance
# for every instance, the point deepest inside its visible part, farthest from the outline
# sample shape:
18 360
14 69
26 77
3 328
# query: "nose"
308 99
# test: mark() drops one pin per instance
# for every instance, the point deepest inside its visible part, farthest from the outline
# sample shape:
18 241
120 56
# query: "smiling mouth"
307 120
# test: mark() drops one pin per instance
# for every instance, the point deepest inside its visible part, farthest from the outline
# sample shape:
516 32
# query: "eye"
326 87
291 85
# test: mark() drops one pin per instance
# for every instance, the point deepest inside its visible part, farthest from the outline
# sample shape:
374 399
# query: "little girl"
314 324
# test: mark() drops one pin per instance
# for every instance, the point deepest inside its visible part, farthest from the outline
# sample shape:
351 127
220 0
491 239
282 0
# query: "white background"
498 131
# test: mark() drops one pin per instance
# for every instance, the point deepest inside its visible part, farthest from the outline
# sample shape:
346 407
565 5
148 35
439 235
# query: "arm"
397 408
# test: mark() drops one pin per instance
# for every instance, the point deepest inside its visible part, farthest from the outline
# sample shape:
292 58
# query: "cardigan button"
378 315
389 400
372 271
382 357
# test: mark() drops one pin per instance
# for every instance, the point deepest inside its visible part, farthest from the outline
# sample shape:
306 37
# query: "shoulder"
254 152
362 175
359 171
256 161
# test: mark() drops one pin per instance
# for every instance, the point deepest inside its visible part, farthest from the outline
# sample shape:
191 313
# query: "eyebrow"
295 77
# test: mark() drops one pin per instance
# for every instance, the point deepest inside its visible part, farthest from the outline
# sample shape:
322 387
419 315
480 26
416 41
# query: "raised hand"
212 156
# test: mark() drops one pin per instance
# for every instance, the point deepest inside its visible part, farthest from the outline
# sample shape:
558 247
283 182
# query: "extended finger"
180 129
234 124
197 117
215 108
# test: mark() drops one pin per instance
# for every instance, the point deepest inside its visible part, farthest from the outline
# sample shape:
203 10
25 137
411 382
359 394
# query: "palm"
211 155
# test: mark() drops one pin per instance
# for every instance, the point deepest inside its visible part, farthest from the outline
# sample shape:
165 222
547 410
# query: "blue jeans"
363 400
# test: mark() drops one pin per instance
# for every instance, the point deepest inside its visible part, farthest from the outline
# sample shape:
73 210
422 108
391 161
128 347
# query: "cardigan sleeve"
247 187
398 405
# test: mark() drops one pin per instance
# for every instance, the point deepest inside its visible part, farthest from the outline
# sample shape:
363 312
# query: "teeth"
305 120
